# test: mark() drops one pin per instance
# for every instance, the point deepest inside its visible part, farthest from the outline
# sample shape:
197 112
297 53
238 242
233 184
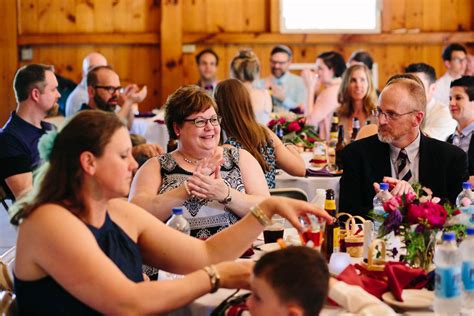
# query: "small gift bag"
354 239
342 230
375 262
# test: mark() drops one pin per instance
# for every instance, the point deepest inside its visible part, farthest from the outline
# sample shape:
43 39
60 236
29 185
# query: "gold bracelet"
214 277
261 217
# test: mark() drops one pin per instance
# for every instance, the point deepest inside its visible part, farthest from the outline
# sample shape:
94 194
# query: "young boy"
295 282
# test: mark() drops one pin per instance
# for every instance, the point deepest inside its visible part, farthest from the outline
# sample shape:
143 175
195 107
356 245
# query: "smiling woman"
216 185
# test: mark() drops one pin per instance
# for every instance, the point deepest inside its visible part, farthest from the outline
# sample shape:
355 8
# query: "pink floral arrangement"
416 217
294 130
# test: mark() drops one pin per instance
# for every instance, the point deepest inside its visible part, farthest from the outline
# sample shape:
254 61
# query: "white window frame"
376 29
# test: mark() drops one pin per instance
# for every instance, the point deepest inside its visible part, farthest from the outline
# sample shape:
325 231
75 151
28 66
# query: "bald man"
400 154
80 95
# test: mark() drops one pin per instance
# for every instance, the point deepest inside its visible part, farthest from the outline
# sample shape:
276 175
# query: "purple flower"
393 221
420 229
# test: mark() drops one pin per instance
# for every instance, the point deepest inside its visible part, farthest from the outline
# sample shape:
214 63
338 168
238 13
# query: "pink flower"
410 197
391 205
282 120
272 123
437 215
294 127
416 213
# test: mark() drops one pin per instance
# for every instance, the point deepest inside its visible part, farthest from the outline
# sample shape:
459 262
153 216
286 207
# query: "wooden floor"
7 232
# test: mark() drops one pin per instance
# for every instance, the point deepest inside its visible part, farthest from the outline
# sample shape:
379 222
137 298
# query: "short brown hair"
185 101
29 77
298 275
414 86
92 75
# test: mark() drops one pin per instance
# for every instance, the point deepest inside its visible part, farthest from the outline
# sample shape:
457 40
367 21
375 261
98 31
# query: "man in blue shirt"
461 106
288 90
36 92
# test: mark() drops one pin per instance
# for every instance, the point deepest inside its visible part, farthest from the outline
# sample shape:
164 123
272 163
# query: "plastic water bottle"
467 251
178 221
465 199
379 199
448 262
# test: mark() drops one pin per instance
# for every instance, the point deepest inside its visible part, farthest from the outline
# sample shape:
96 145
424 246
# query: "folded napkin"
395 277
323 172
145 114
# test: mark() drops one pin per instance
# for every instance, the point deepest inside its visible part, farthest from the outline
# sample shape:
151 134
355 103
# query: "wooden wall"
143 39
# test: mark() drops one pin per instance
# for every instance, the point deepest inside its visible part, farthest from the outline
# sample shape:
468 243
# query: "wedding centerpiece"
417 217
293 129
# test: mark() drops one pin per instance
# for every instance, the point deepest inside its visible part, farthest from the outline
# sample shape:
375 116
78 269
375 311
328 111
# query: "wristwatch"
228 198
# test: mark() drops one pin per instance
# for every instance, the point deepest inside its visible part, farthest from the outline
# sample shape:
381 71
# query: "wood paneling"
130 33
87 16
8 57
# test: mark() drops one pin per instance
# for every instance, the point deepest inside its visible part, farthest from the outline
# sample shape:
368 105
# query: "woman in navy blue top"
80 245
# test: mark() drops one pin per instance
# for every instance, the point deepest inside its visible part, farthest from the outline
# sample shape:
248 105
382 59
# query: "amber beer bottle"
339 147
331 233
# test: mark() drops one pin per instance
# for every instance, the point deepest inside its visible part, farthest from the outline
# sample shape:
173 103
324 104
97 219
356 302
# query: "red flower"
294 127
434 214
391 205
417 213
272 123
282 120
437 216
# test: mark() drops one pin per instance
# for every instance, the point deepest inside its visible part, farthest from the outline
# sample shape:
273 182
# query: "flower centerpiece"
293 129
417 217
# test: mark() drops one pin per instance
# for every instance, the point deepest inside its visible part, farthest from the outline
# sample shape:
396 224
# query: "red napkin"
401 276
395 277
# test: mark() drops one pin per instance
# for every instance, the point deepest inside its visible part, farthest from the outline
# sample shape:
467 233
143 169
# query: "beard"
53 111
387 138
277 73
106 106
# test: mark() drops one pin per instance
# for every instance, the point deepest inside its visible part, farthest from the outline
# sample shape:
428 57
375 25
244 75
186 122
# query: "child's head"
291 281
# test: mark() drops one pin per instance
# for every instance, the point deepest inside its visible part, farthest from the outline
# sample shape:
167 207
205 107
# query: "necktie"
404 172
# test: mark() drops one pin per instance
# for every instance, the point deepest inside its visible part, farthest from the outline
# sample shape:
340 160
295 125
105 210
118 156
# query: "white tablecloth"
308 184
154 132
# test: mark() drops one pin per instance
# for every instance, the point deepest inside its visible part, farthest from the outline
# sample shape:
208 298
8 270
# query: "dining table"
152 127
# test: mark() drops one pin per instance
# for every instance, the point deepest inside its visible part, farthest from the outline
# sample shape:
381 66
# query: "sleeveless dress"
205 217
268 152
46 297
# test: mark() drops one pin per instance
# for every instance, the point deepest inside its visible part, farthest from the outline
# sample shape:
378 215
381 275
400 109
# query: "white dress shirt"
438 122
441 92
413 153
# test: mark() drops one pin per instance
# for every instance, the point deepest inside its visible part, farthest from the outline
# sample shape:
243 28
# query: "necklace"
190 161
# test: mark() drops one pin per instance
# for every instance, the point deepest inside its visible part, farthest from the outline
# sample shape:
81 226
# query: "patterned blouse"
268 153
205 217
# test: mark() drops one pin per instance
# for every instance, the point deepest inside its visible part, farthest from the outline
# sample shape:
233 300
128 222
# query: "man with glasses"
461 106
287 90
400 154
36 92
455 61
106 94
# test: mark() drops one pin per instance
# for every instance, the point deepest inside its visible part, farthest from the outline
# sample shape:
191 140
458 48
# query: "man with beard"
36 92
103 86
79 95
207 61
288 90
400 154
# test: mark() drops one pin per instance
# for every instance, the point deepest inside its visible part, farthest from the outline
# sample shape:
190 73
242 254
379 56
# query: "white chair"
7 261
294 193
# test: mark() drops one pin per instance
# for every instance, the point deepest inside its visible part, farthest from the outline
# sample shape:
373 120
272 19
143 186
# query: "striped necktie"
404 172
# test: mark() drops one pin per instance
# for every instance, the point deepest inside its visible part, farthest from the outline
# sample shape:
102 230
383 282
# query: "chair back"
7 261
294 193
8 305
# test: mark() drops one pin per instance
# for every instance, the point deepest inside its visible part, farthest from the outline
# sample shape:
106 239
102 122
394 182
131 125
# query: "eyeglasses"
109 89
459 60
392 116
275 62
201 122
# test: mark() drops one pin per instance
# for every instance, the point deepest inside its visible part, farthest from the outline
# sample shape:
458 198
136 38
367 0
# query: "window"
330 16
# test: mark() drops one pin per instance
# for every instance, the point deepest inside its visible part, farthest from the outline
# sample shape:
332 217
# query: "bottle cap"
466 185
449 236
177 210
383 186
470 230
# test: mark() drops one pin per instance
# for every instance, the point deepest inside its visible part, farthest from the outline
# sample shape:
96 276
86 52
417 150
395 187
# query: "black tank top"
46 297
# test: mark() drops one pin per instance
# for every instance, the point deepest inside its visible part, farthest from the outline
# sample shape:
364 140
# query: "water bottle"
448 262
379 199
465 199
467 251
178 221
